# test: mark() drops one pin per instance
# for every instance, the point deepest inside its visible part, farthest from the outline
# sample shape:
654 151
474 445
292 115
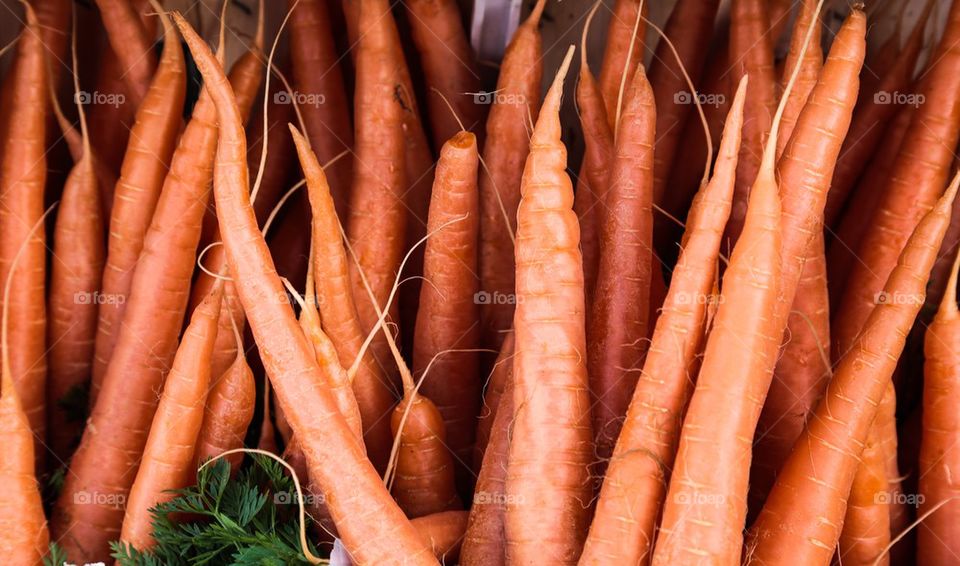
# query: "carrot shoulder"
354 490
547 475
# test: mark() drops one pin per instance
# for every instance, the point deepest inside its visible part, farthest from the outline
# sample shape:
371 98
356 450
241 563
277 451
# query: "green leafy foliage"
56 556
247 520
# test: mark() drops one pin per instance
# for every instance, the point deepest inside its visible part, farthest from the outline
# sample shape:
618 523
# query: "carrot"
54 19
23 526
484 543
131 44
689 27
349 481
320 94
444 533
875 110
592 181
645 448
449 66
821 468
618 321
22 179
168 456
338 312
75 270
622 54
778 14
809 69
936 543
507 145
152 142
495 388
547 483
751 52
448 313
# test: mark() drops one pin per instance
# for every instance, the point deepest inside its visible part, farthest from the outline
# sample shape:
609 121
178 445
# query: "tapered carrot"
634 486
484 543
821 468
448 313
320 94
22 179
289 359
622 53
152 142
449 66
936 538
618 321
875 110
75 271
506 147
495 389
168 456
444 533
131 44
547 481
689 28
751 54
809 69
591 188
23 526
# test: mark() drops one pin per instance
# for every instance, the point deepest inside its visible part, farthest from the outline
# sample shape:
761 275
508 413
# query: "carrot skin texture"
449 66
444 533
316 71
229 412
506 147
939 457
169 453
751 52
353 489
145 165
825 458
618 49
448 313
635 480
23 173
618 324
809 69
548 480
131 44
495 390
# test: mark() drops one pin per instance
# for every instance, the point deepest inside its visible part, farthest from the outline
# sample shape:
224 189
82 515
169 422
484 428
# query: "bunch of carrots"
725 332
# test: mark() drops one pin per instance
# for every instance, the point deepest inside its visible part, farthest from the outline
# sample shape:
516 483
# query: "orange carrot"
443 532
168 456
634 485
448 64
506 147
447 335
622 54
820 470
349 481
547 483
152 142
618 322
22 179
131 44
809 69
495 389
936 540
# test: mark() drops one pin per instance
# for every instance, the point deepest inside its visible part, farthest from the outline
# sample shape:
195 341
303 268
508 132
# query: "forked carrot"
168 456
634 485
618 322
152 142
506 147
821 468
936 537
622 53
288 356
547 483
23 173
